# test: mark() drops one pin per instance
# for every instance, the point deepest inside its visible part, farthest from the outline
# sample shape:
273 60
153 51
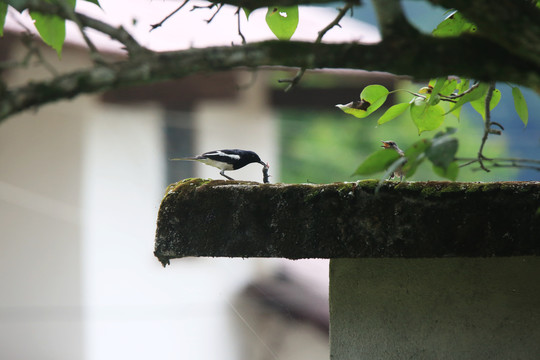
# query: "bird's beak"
385 145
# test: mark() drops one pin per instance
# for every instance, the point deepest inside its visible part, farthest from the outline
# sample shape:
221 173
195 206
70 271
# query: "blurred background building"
81 182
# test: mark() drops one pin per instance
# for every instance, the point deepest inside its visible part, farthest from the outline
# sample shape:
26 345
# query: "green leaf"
282 21
377 162
480 104
94 2
375 95
450 173
247 12
474 94
393 112
426 117
449 131
434 97
449 87
521 105
442 151
463 85
457 112
455 24
3 13
52 28
371 98
415 155
393 167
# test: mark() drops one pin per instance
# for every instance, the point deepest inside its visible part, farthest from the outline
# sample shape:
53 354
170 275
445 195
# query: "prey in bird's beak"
265 173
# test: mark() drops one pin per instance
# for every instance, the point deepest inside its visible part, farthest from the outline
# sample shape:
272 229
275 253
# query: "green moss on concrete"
403 219
429 191
453 187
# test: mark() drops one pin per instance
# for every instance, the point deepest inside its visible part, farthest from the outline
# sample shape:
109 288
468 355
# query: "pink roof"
189 28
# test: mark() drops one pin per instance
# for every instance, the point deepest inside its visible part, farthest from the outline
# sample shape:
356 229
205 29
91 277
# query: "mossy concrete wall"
435 270
348 220
451 308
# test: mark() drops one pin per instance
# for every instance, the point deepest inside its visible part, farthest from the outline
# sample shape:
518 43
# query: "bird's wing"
226 156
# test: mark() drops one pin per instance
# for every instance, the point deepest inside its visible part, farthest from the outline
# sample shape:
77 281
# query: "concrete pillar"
437 308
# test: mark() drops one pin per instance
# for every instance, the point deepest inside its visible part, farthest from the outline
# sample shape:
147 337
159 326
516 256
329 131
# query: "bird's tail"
189 158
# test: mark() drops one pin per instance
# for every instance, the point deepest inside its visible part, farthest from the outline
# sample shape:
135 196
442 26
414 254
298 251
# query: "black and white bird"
393 145
225 160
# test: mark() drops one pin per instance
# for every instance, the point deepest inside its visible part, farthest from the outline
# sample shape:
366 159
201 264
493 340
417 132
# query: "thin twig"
196 7
342 12
94 53
456 96
220 6
512 160
33 50
155 26
515 166
513 163
239 30
469 162
119 34
530 167
487 126
292 82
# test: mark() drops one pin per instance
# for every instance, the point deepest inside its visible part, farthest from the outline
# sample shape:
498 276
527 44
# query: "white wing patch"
221 153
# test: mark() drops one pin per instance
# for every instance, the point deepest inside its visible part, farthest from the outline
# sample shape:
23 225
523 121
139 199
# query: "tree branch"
492 63
256 4
294 81
159 24
392 21
402 53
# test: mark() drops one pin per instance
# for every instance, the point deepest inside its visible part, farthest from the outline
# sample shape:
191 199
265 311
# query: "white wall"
40 228
134 308
80 187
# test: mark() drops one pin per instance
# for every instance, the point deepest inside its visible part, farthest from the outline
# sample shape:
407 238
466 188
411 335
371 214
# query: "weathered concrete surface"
348 220
451 308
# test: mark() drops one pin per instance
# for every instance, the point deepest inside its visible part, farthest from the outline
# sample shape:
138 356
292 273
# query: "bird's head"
392 145
389 145
251 157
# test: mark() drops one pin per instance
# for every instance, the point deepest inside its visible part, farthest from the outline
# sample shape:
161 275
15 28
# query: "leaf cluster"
51 28
428 109
440 151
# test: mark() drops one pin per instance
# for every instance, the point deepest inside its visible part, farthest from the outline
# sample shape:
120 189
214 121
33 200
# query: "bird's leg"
222 172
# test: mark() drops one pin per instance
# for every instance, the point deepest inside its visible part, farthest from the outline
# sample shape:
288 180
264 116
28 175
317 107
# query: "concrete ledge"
348 220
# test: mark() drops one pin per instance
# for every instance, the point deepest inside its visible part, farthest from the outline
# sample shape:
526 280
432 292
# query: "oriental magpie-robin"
226 160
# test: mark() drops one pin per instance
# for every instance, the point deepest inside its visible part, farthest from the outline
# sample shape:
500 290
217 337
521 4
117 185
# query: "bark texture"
348 220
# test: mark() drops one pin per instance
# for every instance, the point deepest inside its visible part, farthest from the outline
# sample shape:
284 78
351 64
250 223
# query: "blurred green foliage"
328 146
